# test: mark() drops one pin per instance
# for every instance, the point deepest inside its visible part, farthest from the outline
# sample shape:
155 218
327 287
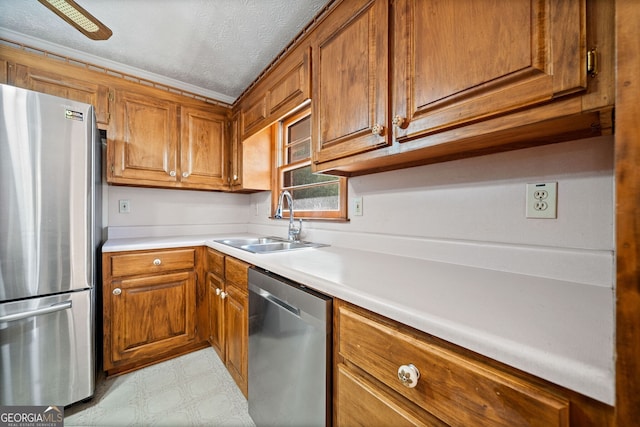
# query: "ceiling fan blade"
79 18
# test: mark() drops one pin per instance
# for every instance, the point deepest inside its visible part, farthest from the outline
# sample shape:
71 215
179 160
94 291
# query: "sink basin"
262 245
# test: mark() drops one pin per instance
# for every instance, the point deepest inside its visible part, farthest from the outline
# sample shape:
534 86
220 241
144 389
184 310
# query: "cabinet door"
215 287
236 339
151 315
252 162
203 159
4 71
462 61
350 82
373 407
65 86
235 153
145 144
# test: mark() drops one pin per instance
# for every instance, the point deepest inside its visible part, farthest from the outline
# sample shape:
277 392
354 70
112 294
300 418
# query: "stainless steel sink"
262 245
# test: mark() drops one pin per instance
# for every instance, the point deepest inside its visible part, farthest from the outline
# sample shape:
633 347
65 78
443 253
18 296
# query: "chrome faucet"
294 232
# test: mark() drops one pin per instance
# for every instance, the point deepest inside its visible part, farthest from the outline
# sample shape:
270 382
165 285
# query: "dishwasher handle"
274 299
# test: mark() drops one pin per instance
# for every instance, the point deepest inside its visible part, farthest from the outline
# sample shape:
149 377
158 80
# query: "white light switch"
357 206
124 206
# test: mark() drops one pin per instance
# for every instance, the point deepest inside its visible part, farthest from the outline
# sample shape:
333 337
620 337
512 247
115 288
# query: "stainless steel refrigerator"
49 239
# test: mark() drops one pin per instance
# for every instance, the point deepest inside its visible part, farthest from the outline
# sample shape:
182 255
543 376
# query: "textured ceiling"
212 47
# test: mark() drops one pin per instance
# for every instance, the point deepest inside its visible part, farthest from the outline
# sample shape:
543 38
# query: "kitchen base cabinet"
393 374
149 306
215 286
228 313
373 407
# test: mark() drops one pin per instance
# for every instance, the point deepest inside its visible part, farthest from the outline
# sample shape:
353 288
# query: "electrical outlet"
124 206
542 200
357 206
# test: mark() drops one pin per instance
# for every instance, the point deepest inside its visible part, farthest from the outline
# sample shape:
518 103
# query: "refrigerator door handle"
37 312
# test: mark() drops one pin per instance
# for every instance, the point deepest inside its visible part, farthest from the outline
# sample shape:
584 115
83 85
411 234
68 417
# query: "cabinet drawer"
236 272
374 405
215 262
152 262
458 390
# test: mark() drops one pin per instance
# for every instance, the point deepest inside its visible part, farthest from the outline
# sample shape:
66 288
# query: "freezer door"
46 148
47 354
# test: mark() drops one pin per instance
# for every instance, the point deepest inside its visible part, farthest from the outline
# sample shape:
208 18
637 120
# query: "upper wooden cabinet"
4 71
203 154
143 140
454 63
155 141
465 78
286 88
250 159
350 68
68 85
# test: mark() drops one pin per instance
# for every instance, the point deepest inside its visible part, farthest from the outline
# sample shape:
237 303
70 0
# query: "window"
315 196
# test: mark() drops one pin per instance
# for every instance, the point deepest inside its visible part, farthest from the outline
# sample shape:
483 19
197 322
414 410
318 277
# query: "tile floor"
191 390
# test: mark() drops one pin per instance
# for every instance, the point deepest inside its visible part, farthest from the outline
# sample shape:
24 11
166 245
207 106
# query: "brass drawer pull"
157 261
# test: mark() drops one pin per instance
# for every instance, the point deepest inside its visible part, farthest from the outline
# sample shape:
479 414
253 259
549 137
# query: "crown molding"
37 43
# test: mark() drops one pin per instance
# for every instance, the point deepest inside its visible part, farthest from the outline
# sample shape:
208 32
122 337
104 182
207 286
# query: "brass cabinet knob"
157 261
400 121
172 173
117 291
185 174
235 177
218 290
377 129
408 375
223 295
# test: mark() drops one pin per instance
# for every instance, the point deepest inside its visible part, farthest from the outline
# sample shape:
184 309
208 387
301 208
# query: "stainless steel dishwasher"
289 352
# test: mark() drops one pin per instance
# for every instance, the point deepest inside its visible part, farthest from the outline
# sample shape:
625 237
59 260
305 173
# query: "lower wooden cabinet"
215 286
228 313
455 386
149 306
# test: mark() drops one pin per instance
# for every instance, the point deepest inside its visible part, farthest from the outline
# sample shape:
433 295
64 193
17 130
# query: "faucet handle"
294 232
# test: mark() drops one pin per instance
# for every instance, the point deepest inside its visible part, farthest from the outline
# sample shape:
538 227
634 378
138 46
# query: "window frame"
281 166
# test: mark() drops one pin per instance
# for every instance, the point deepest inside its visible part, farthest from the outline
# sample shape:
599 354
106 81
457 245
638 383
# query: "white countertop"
558 330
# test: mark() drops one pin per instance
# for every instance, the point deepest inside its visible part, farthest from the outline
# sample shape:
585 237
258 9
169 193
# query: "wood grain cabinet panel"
349 72
129 264
253 116
227 280
405 82
456 387
291 85
150 307
159 142
144 140
203 154
4 71
69 85
362 403
152 315
455 63
215 286
250 159
237 335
